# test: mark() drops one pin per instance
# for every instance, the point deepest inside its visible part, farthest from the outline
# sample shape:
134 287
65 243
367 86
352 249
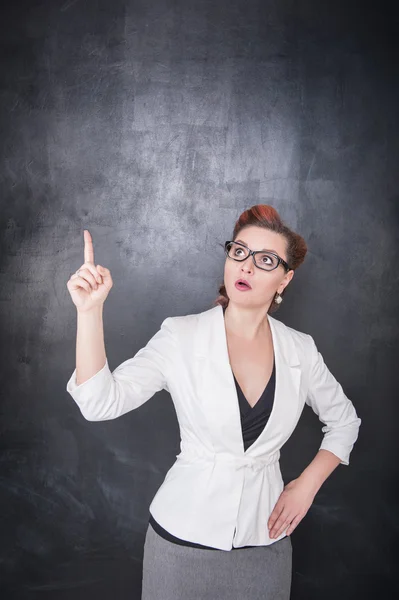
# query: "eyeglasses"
266 260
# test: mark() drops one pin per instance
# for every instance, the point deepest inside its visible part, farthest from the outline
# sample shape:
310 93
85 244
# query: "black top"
253 421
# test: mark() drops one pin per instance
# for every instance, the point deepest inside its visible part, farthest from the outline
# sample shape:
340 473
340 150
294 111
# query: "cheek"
230 275
267 285
271 283
227 271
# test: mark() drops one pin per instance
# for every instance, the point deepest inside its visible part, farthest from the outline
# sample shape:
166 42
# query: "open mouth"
242 286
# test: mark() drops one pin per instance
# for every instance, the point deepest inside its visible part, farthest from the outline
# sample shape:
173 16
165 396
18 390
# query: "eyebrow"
263 249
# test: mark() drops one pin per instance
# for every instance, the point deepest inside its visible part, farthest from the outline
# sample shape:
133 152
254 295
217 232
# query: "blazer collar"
217 395
211 336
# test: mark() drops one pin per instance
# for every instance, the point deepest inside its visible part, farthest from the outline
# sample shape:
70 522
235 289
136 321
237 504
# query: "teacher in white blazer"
220 523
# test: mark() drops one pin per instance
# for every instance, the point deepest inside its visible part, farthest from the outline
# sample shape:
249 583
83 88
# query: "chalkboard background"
154 124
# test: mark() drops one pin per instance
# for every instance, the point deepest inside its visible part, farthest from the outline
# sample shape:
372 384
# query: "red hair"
267 217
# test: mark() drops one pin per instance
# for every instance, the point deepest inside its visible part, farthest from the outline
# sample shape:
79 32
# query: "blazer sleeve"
328 400
109 395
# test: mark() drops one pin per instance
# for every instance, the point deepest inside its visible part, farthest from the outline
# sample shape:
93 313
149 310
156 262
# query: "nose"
248 264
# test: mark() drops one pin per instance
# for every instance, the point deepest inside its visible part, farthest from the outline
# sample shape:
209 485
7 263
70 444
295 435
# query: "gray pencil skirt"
175 572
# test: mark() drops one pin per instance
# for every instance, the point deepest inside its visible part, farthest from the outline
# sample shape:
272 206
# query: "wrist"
95 310
310 481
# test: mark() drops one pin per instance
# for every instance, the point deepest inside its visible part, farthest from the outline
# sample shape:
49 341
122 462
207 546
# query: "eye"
266 260
266 257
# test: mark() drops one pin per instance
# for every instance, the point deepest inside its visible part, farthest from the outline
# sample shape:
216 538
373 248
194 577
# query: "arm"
341 426
298 495
328 400
321 467
90 348
108 395
341 423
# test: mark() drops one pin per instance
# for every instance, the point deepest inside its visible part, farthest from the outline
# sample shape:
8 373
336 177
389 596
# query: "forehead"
262 239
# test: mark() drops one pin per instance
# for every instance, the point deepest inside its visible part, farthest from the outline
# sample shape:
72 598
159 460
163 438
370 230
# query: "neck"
248 324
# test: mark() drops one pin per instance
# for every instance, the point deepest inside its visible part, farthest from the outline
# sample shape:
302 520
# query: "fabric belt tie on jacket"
256 463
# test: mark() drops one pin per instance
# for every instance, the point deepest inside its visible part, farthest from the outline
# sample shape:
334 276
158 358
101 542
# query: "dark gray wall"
154 124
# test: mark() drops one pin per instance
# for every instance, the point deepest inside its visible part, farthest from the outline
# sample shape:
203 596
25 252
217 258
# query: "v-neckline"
280 383
264 389
232 372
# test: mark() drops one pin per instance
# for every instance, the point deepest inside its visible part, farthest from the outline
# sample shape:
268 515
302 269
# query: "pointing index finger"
88 249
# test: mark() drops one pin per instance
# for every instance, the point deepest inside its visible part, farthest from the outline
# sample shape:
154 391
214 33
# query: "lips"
243 283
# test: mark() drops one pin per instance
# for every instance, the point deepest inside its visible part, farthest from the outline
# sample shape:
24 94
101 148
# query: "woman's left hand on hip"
292 505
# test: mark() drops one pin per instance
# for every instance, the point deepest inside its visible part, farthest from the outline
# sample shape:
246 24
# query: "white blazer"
216 494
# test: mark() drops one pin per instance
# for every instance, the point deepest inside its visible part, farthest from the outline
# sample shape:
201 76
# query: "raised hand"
91 284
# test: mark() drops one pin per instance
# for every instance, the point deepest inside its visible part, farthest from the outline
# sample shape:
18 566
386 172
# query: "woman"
221 521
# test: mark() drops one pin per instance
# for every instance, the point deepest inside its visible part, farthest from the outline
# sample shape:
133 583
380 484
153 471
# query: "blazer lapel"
218 394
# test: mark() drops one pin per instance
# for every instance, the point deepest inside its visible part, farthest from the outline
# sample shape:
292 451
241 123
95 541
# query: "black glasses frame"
253 252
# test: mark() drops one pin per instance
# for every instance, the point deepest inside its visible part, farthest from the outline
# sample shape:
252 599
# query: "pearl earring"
278 299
